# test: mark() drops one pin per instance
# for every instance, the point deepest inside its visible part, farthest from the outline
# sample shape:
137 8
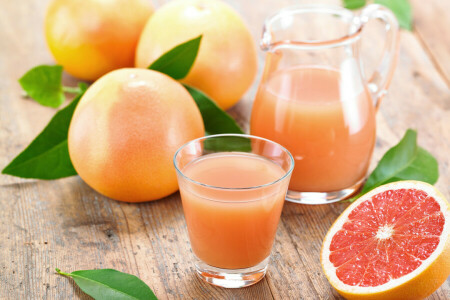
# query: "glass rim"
349 38
286 174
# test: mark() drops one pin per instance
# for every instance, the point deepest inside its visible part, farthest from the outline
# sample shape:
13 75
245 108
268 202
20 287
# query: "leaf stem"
72 90
62 273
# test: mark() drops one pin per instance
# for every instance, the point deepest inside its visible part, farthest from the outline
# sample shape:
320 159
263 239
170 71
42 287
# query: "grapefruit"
92 37
226 63
126 129
392 243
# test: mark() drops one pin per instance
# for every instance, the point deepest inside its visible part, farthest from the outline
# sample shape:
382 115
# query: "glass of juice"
232 188
315 100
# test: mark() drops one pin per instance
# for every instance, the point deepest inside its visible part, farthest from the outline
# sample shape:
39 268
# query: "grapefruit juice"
232 209
325 118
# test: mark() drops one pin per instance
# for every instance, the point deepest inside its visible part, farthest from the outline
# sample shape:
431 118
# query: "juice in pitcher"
314 97
323 119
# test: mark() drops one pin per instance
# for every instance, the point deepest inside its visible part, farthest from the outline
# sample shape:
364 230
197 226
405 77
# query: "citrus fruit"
126 129
92 37
392 243
226 63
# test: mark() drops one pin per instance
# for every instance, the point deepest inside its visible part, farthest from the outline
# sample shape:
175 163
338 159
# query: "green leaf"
401 9
110 284
47 157
82 87
227 143
404 161
43 84
178 61
215 119
353 4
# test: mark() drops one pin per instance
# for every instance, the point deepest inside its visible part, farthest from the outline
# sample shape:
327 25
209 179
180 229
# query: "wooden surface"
65 224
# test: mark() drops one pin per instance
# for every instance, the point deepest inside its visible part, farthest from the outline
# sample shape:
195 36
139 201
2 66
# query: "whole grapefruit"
126 129
226 63
89 38
392 243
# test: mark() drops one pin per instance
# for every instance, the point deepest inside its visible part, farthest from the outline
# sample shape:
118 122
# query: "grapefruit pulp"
392 243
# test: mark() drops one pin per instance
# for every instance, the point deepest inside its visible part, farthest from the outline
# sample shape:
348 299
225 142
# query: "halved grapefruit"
392 243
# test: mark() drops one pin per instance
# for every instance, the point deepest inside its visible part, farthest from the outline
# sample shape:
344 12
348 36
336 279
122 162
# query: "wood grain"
432 27
65 224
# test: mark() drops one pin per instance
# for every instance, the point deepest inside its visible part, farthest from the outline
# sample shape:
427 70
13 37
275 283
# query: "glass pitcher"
314 100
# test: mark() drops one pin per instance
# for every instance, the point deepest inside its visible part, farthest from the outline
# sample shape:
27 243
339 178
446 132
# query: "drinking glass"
233 189
314 100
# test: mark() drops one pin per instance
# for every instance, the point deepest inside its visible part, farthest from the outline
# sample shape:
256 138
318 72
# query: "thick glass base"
322 197
231 278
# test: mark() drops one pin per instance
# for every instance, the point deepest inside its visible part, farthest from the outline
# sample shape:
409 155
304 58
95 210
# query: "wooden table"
65 224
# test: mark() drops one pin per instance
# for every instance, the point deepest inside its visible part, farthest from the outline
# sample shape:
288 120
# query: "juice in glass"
326 121
232 189
238 233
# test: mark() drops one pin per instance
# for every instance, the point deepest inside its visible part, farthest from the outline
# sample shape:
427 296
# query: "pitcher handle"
381 78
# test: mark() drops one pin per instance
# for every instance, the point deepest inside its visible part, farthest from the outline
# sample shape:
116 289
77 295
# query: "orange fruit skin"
125 131
89 38
226 64
419 287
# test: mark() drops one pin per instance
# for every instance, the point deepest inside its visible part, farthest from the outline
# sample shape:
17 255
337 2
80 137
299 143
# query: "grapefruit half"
392 243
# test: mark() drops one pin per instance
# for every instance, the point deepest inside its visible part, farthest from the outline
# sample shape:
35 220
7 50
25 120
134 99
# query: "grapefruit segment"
392 243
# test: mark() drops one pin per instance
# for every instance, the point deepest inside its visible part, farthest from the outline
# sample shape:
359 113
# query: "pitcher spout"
338 26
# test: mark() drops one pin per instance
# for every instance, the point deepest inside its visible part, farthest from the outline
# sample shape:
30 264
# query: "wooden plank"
432 26
419 99
67 225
